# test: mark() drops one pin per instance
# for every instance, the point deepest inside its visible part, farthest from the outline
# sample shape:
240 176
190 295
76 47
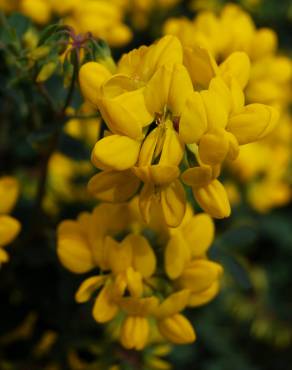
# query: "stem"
44 92
59 117
72 84
44 164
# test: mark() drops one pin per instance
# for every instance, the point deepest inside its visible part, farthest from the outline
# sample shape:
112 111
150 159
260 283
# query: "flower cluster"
169 110
9 226
262 167
146 274
234 30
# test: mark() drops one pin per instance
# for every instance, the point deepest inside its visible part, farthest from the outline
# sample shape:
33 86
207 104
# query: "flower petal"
9 229
113 186
253 123
205 296
199 234
213 147
193 121
174 303
9 191
213 199
116 152
126 114
201 66
105 309
144 259
120 255
176 255
173 203
177 329
238 66
91 77
88 287
197 176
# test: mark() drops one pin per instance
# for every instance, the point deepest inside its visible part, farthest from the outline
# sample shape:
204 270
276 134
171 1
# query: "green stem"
45 158
72 84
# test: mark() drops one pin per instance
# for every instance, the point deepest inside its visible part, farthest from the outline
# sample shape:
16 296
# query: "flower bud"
91 77
46 72
213 199
177 329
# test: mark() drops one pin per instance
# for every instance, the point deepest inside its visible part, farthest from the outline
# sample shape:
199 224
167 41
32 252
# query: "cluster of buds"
146 273
173 116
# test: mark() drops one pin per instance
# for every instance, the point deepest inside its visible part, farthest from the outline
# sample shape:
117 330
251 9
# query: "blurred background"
249 325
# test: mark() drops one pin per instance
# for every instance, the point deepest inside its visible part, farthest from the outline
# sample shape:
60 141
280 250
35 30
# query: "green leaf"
19 23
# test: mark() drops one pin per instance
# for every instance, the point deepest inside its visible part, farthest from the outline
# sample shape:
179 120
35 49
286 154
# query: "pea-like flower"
135 285
168 109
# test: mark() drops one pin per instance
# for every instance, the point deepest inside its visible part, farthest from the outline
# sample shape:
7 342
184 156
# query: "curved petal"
105 309
144 259
157 174
199 234
134 332
213 147
253 123
174 303
177 329
9 229
197 176
217 113
176 255
91 77
213 199
172 149
120 255
238 66
173 203
116 152
9 191
201 66
88 287
126 114
200 275
205 296
75 254
180 88
193 121
114 186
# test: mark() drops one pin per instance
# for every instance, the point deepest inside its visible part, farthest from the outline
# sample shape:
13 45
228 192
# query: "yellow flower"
9 229
9 226
234 30
229 123
103 18
120 98
9 192
129 103
114 239
152 85
135 327
263 168
186 258
171 324
38 10
82 246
